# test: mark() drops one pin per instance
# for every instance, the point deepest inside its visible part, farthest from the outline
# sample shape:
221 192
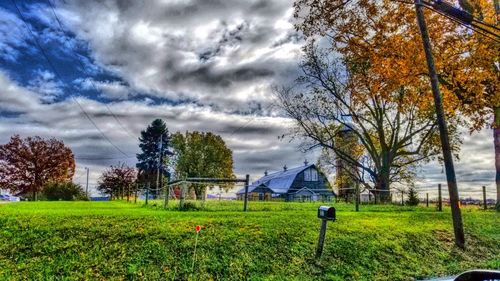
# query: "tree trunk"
496 140
382 193
199 192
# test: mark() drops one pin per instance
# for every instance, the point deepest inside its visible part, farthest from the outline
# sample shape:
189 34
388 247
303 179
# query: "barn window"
307 175
310 175
314 175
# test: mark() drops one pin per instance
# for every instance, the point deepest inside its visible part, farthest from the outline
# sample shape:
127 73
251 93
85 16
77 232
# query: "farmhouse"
301 183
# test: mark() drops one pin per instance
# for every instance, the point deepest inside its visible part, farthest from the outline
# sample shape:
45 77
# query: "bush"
190 206
412 197
65 191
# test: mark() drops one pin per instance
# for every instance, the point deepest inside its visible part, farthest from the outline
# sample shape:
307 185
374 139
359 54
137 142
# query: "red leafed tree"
117 180
26 165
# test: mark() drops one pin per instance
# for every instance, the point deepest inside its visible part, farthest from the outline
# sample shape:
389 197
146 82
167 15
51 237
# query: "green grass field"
273 241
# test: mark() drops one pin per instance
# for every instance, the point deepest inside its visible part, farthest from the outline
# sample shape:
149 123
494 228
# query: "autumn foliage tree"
26 165
395 132
117 181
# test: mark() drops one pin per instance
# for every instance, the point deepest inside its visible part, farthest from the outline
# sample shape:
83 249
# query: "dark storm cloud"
209 77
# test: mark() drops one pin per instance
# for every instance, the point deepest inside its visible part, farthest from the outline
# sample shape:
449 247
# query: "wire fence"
183 196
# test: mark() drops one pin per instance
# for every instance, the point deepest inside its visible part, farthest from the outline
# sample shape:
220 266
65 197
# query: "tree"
413 199
202 155
153 160
117 181
396 133
384 36
66 191
26 165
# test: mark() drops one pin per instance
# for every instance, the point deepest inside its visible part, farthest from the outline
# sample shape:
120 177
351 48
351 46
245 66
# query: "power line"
104 158
461 17
49 62
90 80
249 121
475 28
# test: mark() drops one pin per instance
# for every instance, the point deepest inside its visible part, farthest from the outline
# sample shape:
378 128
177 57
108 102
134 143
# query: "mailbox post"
325 213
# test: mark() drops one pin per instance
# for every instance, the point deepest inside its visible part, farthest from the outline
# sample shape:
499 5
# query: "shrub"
190 206
65 191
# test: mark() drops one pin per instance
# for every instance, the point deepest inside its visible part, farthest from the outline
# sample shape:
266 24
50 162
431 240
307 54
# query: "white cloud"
198 50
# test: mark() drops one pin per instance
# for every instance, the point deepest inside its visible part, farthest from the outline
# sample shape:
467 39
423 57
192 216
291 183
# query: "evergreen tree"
413 199
155 146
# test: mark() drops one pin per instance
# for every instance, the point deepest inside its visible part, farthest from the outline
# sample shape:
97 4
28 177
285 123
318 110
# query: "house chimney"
265 173
306 163
285 168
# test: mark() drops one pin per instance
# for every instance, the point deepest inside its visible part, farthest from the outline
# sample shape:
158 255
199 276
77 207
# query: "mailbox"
326 213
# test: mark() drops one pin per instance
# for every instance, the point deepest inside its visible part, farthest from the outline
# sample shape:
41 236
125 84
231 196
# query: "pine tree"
154 154
413 199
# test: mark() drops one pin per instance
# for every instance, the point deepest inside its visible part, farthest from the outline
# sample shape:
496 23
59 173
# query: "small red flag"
198 228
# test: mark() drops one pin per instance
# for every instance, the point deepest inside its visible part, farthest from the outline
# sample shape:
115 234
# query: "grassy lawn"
273 241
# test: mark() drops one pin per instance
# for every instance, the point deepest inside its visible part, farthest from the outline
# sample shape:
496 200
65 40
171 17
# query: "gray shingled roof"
278 182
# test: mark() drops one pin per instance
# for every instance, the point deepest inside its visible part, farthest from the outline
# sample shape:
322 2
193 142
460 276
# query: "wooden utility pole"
87 184
496 126
245 202
427 199
484 198
458 227
160 148
496 141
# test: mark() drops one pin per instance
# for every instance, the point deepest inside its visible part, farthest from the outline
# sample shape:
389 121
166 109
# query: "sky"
96 73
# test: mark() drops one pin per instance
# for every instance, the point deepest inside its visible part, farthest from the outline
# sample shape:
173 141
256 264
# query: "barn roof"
278 182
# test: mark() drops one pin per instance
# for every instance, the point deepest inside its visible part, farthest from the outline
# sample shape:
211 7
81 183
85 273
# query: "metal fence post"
167 194
440 199
484 198
245 200
357 197
136 189
181 201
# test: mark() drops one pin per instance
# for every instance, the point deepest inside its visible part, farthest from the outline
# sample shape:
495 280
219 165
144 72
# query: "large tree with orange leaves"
384 38
394 130
26 165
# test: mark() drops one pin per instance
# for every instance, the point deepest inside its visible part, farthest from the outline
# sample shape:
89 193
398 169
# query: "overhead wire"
49 62
84 69
472 27
249 121
103 158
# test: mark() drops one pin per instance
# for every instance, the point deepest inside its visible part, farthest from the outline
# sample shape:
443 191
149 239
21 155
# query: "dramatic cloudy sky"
203 65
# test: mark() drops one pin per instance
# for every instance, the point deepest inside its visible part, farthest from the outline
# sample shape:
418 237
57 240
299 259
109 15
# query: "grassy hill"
273 241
